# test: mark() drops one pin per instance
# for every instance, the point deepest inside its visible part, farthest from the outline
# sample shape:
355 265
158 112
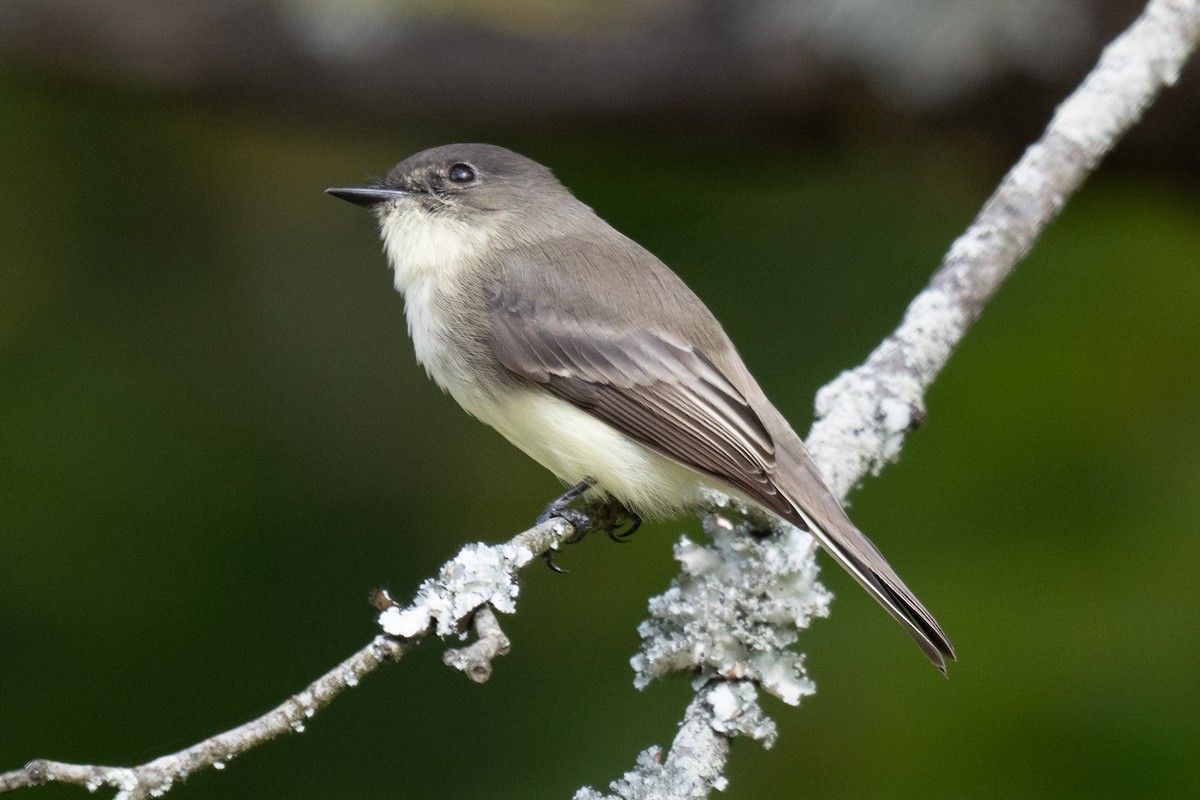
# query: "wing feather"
648 386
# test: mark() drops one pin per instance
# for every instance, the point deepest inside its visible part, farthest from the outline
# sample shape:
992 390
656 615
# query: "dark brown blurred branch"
696 58
824 65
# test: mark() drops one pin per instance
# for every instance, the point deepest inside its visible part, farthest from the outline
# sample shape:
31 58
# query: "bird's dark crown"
456 168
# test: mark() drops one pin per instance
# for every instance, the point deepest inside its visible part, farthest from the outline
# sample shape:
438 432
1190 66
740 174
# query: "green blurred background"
215 441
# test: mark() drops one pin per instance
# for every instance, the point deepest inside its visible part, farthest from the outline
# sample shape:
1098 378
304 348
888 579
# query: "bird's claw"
634 521
607 516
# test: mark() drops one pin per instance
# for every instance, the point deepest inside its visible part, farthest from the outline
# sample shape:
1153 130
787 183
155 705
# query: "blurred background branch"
984 65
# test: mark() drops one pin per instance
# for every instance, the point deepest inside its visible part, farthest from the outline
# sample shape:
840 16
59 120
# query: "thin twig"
466 589
158 776
475 660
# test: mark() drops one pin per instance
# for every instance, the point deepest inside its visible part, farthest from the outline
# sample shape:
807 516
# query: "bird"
593 357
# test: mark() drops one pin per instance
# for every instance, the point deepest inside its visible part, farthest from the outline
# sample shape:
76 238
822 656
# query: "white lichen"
736 610
479 575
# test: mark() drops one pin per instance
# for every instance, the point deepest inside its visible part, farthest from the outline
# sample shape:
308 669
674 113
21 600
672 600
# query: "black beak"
367 195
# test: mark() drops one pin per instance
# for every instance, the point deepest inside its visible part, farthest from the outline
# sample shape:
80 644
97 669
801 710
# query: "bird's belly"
566 440
575 445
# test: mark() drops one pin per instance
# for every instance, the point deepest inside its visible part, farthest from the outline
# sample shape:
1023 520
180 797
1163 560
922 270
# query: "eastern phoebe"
588 353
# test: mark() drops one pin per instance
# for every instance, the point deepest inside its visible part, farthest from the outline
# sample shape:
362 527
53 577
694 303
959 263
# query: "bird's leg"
608 515
559 507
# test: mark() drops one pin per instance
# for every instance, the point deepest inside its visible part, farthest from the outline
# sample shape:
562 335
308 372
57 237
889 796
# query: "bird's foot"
608 515
559 507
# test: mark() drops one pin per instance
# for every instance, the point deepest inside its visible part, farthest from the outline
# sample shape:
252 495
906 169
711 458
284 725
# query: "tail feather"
818 511
858 556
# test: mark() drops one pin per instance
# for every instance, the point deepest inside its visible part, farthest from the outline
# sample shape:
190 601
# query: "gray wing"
649 386
661 390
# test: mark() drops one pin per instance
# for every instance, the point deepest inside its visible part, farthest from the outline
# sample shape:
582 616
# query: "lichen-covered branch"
694 765
732 614
735 610
864 414
730 619
156 777
463 595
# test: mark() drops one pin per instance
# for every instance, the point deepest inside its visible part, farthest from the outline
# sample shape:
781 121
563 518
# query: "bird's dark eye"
462 173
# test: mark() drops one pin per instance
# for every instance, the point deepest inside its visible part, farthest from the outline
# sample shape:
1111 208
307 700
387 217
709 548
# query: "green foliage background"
214 441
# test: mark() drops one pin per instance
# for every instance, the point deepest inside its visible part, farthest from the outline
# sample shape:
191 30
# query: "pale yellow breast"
575 445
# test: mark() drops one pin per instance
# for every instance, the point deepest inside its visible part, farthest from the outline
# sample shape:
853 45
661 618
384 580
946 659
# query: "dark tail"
817 510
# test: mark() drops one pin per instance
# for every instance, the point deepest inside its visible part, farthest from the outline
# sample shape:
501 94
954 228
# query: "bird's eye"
461 173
